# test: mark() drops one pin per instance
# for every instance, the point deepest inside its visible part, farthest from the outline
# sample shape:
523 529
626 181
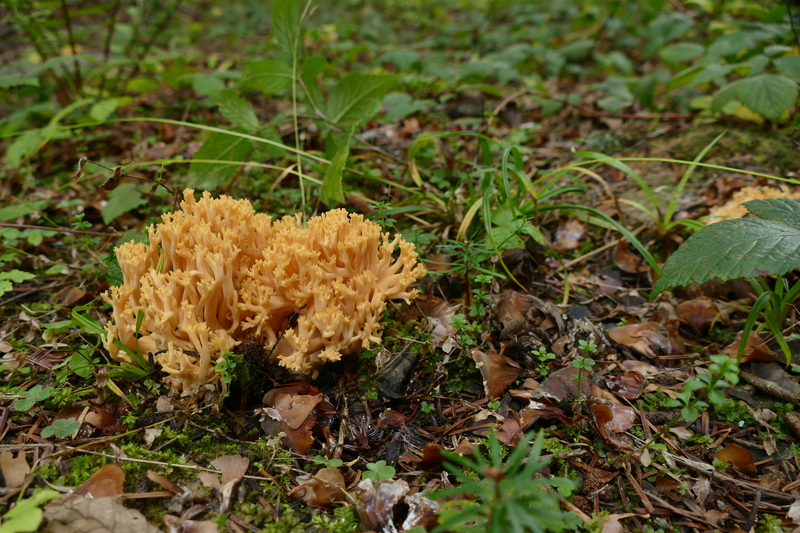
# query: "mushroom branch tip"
217 273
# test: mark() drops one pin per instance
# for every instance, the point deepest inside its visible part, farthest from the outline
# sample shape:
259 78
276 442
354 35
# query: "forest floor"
509 144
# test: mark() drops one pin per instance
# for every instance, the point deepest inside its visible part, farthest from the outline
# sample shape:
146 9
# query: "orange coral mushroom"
216 272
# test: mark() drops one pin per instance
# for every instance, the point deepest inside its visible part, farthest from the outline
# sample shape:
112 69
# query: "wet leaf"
611 420
630 385
739 457
700 314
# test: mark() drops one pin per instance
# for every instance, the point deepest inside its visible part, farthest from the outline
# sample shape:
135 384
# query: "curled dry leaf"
287 411
176 524
739 457
376 502
107 481
627 261
611 420
422 511
562 385
755 349
569 235
322 490
73 514
700 314
536 410
498 371
15 468
233 468
650 339
440 318
629 385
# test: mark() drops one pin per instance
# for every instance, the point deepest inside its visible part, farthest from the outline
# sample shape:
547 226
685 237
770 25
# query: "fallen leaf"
755 349
291 410
376 502
700 314
630 385
627 261
422 512
611 420
569 235
562 385
15 468
498 371
322 490
176 524
739 457
650 339
107 481
76 514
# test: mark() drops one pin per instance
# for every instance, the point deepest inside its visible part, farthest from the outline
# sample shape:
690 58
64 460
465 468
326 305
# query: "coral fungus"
216 273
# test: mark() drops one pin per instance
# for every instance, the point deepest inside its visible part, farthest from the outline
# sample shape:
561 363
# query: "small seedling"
61 428
379 471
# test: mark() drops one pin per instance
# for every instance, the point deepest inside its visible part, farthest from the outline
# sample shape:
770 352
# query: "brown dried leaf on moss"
323 489
497 371
77 514
15 468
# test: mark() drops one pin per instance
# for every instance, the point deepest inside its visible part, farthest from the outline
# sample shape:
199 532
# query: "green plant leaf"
331 192
357 97
17 276
61 428
769 95
220 147
26 145
121 200
681 52
286 25
730 249
789 66
783 210
235 109
268 76
26 515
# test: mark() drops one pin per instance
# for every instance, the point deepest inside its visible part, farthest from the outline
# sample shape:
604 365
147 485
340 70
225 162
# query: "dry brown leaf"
422 511
324 489
76 514
562 385
755 349
376 501
611 420
291 410
107 481
498 371
629 385
569 235
233 467
176 524
700 313
648 338
165 483
15 468
627 261
739 457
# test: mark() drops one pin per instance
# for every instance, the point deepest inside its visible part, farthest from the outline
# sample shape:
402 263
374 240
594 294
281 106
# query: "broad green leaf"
267 76
235 109
26 515
286 25
103 109
769 95
219 147
681 52
26 145
17 276
206 84
730 249
121 200
783 210
399 105
357 97
789 66
81 365
331 192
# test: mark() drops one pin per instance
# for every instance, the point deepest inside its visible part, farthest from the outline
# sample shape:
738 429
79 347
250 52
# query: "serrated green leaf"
783 210
730 249
267 76
219 147
331 192
121 200
357 97
286 25
235 109
769 95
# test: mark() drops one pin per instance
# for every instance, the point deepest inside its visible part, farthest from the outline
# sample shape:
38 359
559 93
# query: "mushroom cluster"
216 273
